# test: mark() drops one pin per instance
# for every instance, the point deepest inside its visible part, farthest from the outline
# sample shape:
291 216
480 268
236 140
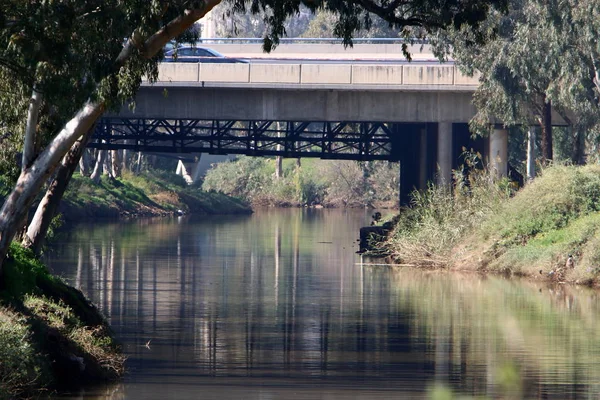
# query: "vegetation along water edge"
547 230
51 336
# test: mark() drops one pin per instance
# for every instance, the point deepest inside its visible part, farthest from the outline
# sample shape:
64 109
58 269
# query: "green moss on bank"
146 194
51 336
548 230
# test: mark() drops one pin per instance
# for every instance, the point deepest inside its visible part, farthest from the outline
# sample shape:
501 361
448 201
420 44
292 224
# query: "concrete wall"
239 103
441 76
318 92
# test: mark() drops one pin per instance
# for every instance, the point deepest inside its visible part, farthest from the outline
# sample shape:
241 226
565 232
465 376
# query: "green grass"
531 233
555 216
44 325
152 193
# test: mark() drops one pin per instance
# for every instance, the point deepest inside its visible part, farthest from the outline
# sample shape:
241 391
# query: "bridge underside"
426 151
331 140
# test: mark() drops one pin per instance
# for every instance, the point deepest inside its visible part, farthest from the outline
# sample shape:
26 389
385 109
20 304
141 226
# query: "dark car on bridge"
196 54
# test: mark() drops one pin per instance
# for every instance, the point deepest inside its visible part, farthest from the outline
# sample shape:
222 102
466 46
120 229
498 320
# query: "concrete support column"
189 170
531 153
499 152
279 159
423 159
400 188
444 153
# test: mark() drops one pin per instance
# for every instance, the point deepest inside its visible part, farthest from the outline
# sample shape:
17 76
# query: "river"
278 305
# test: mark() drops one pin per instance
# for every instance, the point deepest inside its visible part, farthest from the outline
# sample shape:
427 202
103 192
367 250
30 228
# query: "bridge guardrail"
317 74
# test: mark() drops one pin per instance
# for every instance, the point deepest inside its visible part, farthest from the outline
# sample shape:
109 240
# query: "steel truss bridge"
331 140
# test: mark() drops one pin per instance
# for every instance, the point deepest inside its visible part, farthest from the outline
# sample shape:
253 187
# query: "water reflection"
277 305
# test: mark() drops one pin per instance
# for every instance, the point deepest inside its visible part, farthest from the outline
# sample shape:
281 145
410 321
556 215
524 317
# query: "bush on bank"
51 336
548 229
315 182
426 233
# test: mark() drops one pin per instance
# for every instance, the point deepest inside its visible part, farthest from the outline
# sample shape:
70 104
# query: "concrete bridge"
414 113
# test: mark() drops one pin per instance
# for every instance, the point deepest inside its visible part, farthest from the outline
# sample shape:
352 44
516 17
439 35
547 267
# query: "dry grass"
97 345
548 230
439 219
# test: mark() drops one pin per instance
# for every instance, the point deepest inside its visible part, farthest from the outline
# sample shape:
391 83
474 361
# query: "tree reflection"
281 295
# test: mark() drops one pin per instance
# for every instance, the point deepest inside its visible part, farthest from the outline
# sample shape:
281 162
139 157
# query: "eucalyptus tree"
577 87
78 59
538 57
323 25
232 24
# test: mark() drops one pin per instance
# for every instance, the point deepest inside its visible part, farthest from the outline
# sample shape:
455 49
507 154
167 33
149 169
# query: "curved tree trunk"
46 210
31 143
84 163
32 179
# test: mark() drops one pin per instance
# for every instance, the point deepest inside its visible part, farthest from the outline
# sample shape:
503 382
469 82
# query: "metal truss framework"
331 140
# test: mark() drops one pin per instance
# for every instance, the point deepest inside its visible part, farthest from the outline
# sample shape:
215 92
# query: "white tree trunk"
46 210
29 145
124 156
36 172
108 163
84 163
278 159
32 178
115 163
99 167
138 166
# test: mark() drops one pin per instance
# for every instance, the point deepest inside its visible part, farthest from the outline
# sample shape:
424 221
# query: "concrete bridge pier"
499 151
444 153
190 171
531 152
417 156
423 143
429 152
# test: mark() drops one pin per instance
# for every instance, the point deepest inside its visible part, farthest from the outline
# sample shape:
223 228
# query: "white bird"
570 262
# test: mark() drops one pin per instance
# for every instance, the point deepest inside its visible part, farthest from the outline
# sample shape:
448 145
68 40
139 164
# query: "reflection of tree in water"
485 324
278 296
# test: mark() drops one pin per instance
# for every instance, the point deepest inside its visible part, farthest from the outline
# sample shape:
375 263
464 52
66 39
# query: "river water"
277 305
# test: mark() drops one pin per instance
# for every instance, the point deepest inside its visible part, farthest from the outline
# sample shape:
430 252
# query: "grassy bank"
145 194
548 230
51 336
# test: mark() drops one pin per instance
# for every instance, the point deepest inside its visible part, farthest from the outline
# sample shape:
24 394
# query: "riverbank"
548 230
51 336
305 183
147 194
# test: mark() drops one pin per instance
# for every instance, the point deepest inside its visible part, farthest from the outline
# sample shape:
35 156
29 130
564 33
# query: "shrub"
439 217
331 183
